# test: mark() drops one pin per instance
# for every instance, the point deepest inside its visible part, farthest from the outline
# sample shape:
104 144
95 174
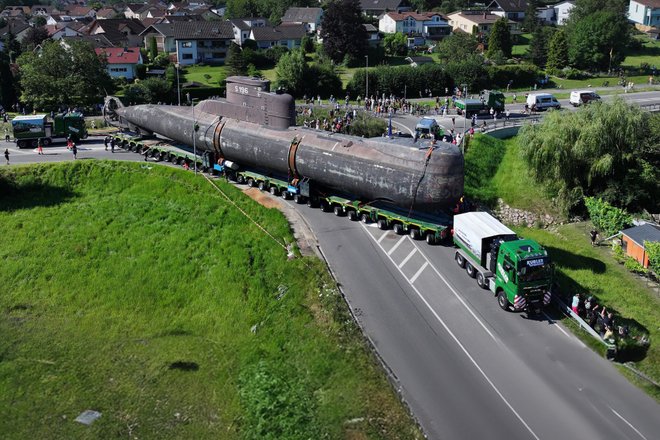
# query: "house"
376 8
563 10
120 31
373 36
42 10
76 12
106 13
478 23
59 31
283 35
97 41
122 61
632 241
431 25
511 9
242 27
17 27
192 42
132 10
644 13
310 17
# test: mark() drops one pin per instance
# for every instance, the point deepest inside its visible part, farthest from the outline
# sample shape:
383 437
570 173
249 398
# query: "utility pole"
366 75
464 117
178 89
194 133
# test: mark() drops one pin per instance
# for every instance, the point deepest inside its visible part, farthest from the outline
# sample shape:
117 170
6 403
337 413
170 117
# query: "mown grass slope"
141 293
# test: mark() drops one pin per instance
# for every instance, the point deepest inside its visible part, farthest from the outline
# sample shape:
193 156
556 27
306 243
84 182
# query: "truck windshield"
534 270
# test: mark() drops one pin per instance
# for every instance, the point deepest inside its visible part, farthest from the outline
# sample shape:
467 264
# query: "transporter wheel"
469 268
398 229
240 179
261 185
170 158
382 224
481 280
325 206
352 215
47 142
459 260
365 218
20 144
250 182
299 199
34 143
415 234
430 238
339 212
311 202
502 300
273 190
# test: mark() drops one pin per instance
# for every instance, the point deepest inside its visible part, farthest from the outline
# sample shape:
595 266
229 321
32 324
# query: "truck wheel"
34 143
469 268
20 144
250 182
382 224
398 228
325 206
261 185
352 215
298 199
481 280
459 260
47 142
502 300
240 179
338 211
273 190
311 203
286 195
365 218
430 238
415 234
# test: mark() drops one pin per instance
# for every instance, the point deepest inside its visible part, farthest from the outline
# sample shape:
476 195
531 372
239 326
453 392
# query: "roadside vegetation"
138 291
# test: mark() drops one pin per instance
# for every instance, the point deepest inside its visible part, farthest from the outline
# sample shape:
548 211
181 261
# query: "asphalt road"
466 368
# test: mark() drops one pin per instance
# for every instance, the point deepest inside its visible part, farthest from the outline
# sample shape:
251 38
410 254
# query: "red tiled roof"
119 55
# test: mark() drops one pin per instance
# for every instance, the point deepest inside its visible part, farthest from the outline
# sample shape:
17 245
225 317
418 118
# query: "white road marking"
462 347
394 248
382 236
405 260
628 423
468 308
558 327
401 125
419 272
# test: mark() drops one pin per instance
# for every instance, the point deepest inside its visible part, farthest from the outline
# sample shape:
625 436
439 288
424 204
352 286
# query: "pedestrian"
453 122
69 142
575 303
74 150
507 114
515 98
7 138
40 146
593 234
112 144
105 142
7 155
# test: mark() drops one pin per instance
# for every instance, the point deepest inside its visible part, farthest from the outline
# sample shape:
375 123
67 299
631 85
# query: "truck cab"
29 129
427 127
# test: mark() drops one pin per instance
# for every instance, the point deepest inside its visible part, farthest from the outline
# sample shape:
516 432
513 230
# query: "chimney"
485 13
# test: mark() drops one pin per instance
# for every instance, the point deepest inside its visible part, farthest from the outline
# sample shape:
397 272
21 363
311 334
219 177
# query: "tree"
537 52
56 76
531 21
598 41
558 51
34 37
500 38
39 21
236 61
469 71
307 44
291 71
342 31
457 46
7 91
395 44
605 150
153 48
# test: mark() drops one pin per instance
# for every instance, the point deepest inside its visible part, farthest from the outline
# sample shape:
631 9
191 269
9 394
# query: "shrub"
520 74
653 251
606 217
617 253
634 266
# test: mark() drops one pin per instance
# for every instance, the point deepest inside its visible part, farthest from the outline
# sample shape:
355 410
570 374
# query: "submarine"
256 128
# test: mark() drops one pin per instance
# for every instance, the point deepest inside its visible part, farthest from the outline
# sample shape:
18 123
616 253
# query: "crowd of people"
598 317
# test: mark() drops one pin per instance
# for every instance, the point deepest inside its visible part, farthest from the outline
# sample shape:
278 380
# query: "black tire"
415 234
286 195
311 203
365 218
430 238
261 185
325 206
34 143
273 190
459 260
398 229
339 212
171 158
298 199
502 300
382 224
250 182
352 215
240 179
481 280
20 144
469 268
47 142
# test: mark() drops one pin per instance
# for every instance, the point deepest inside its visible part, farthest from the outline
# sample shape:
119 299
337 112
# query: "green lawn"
649 54
520 48
138 291
209 75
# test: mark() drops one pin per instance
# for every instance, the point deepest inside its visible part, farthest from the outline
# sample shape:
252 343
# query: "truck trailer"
30 128
490 99
516 270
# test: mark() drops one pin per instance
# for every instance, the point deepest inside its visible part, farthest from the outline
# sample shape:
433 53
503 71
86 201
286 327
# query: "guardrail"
650 107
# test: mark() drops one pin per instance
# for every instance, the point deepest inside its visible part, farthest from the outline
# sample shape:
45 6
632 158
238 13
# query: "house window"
118 69
186 44
186 56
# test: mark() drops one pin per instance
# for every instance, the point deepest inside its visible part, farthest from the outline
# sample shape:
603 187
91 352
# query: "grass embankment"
141 293
494 168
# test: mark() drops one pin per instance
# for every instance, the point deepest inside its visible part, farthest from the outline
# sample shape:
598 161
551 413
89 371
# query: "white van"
542 101
580 97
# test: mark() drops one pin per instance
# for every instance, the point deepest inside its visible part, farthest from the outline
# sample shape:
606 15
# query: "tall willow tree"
604 150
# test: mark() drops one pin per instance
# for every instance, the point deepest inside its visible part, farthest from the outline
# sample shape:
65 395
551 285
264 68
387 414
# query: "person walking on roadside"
576 303
74 150
7 155
112 144
105 142
40 146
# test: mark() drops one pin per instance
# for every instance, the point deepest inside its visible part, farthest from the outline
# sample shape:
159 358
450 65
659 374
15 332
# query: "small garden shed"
632 240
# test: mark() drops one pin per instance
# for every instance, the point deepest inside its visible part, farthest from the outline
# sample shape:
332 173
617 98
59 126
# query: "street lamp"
465 97
178 89
366 75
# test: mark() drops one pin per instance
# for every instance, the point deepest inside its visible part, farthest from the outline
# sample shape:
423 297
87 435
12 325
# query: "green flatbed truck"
516 270
491 99
29 129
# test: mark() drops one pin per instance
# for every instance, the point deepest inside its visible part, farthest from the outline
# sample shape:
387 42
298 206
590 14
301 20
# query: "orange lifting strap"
293 148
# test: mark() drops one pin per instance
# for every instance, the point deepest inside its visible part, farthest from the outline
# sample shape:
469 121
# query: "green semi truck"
516 270
30 128
490 99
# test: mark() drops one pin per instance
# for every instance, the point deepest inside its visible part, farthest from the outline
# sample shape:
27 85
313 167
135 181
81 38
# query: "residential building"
633 239
431 25
192 42
373 36
242 27
132 10
478 23
120 31
310 17
59 31
76 12
122 62
644 13
376 8
106 13
563 10
511 9
17 27
97 41
285 35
